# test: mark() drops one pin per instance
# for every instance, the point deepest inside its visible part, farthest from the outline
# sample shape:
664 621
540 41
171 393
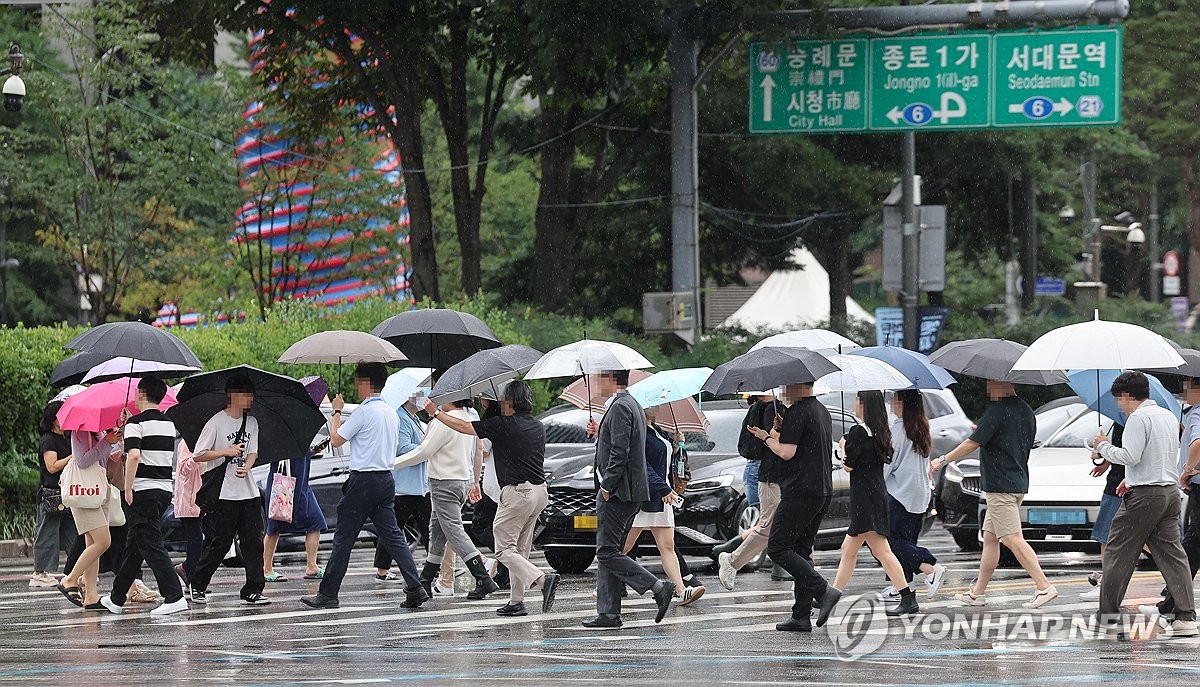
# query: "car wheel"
570 561
966 540
746 517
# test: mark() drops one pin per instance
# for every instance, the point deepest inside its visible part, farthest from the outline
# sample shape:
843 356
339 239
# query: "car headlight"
709 484
954 474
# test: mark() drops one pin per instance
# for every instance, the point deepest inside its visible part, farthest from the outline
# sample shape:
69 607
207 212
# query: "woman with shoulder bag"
89 451
55 528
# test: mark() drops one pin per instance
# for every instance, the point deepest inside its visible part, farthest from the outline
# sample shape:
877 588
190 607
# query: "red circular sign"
1171 264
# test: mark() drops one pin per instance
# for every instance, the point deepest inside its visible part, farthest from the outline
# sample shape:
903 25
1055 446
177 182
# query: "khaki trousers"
756 542
516 518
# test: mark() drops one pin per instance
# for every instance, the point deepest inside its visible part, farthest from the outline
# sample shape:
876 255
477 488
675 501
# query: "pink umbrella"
98 408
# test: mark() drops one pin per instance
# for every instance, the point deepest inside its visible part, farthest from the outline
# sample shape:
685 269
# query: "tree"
122 171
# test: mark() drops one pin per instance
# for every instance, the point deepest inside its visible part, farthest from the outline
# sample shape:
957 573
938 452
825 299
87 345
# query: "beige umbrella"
684 416
340 346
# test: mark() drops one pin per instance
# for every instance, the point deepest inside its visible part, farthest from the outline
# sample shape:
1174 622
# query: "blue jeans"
367 495
1109 505
750 482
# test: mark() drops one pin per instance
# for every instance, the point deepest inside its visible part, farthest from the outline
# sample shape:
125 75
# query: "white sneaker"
889 593
113 608
727 574
169 608
1092 594
969 599
489 564
42 579
1180 629
1041 597
1149 610
935 580
439 590
691 594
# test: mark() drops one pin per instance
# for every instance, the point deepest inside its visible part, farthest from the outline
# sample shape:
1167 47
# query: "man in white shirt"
1151 512
229 442
370 489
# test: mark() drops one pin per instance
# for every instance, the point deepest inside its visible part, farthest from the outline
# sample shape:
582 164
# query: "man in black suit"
622 489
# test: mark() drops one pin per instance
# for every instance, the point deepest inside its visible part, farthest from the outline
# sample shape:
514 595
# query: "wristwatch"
337 412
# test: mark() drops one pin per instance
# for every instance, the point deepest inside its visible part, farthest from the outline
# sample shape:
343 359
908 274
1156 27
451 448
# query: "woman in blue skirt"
307 519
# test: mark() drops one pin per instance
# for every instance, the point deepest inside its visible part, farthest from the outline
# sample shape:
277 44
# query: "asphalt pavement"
725 638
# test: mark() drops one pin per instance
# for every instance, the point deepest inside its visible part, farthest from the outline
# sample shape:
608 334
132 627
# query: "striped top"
152 433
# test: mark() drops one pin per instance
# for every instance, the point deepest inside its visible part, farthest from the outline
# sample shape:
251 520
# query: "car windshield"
1049 421
1079 434
567 427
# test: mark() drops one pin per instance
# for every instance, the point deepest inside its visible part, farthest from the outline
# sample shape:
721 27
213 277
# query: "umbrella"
675 389
860 374
435 337
288 419
339 346
1083 383
317 388
1190 367
98 407
913 365
767 368
402 385
1099 345
482 371
135 340
579 392
129 367
74 368
991 359
587 357
68 392
819 340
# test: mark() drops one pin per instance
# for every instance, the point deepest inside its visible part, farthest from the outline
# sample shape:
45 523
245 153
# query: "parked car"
959 493
714 505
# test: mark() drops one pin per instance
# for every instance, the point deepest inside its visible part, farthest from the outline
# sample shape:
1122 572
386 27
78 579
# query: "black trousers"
793 534
406 507
244 520
144 542
1190 541
367 495
906 528
614 569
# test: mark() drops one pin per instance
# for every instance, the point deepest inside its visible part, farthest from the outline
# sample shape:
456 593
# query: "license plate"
587 522
1057 516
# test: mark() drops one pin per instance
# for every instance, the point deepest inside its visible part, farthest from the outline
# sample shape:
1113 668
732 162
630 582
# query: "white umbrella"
129 367
402 385
860 374
68 392
822 341
587 357
1099 345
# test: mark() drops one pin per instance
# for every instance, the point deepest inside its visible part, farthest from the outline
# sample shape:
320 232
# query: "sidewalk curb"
16 548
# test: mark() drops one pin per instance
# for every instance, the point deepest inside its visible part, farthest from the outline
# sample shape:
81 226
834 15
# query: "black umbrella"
288 419
437 338
483 371
1191 363
73 369
135 340
768 368
992 359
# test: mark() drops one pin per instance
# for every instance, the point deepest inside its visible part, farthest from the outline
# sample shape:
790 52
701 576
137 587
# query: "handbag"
51 499
83 487
116 507
282 499
680 468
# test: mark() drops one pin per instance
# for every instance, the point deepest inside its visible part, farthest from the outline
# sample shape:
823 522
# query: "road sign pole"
910 248
1155 259
685 208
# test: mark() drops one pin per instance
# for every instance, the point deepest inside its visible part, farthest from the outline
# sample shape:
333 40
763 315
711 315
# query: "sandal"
318 575
275 577
72 593
94 607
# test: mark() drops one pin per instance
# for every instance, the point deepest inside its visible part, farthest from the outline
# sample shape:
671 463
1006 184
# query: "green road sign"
930 82
808 87
937 81
1058 78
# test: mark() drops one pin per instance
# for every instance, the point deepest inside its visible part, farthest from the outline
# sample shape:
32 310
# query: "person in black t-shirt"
55 528
802 439
519 446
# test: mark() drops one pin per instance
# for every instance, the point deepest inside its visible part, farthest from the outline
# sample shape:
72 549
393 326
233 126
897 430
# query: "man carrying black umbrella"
229 443
370 490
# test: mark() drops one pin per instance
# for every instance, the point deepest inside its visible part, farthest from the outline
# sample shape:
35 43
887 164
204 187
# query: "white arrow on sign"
1063 106
953 107
895 114
768 86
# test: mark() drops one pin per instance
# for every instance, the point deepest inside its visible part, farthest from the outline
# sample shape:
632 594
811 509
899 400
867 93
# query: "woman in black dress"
866 449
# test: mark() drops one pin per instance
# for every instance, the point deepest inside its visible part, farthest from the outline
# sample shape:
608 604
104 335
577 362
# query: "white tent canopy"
792 299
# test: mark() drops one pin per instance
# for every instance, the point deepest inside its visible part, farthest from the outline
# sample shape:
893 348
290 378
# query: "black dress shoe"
795 625
603 622
663 598
727 547
319 600
413 598
828 602
908 606
549 586
511 610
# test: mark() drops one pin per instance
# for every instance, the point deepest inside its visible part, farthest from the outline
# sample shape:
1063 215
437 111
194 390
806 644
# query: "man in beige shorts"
1004 439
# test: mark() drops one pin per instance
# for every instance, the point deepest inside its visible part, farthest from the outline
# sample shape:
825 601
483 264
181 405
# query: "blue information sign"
889 327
